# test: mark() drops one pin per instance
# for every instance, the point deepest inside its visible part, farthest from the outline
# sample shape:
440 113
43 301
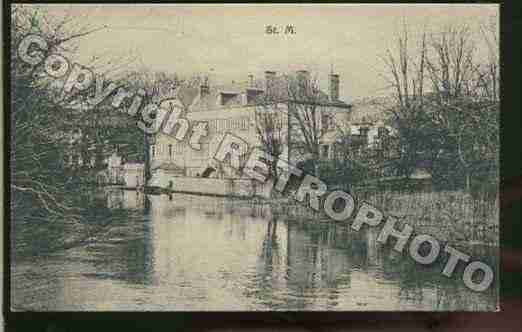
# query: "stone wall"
220 187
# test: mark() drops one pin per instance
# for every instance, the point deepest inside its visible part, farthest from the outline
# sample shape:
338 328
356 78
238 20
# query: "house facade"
239 109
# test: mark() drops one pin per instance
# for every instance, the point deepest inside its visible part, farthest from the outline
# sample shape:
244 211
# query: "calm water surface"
188 252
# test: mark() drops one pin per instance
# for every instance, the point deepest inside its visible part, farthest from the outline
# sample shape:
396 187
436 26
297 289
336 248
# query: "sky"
229 42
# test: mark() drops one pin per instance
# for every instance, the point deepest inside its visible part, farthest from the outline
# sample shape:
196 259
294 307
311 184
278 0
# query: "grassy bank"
454 216
448 215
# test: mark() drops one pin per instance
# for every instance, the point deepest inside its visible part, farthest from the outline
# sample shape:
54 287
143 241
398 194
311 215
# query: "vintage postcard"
248 157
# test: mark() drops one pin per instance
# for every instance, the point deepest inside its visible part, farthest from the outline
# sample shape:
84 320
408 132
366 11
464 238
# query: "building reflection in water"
216 253
187 252
118 198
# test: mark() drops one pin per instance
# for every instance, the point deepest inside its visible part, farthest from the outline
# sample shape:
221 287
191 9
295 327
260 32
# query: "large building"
239 109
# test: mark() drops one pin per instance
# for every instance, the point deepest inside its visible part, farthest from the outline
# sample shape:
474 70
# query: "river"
186 252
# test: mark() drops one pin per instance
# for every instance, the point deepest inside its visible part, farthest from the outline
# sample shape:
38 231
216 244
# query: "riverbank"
453 216
449 215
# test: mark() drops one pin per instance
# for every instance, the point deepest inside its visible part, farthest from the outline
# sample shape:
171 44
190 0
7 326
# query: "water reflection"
124 199
186 252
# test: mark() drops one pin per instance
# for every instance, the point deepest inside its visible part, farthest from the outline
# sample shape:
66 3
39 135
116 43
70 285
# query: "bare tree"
452 64
289 114
38 124
467 98
269 122
488 74
456 119
406 73
305 111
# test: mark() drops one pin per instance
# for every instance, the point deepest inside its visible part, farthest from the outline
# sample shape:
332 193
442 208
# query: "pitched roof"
286 89
223 96
246 93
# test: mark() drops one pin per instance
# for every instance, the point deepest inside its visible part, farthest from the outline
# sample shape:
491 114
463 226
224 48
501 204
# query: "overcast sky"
230 42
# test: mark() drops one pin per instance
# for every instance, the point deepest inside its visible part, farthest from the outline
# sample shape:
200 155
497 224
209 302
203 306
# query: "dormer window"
225 97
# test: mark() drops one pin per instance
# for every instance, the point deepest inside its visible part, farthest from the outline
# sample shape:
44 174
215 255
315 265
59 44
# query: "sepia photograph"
253 157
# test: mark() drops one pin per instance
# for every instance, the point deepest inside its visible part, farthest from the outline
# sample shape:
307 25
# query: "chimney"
269 82
303 77
303 82
334 87
251 81
204 88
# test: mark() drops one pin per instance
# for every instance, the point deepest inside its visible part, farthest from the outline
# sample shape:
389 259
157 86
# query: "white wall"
133 176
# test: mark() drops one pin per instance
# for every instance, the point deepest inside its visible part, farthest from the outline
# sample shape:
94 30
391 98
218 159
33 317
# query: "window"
325 151
245 123
325 119
382 131
170 150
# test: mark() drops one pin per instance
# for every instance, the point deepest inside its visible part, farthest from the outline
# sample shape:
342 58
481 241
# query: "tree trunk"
316 168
